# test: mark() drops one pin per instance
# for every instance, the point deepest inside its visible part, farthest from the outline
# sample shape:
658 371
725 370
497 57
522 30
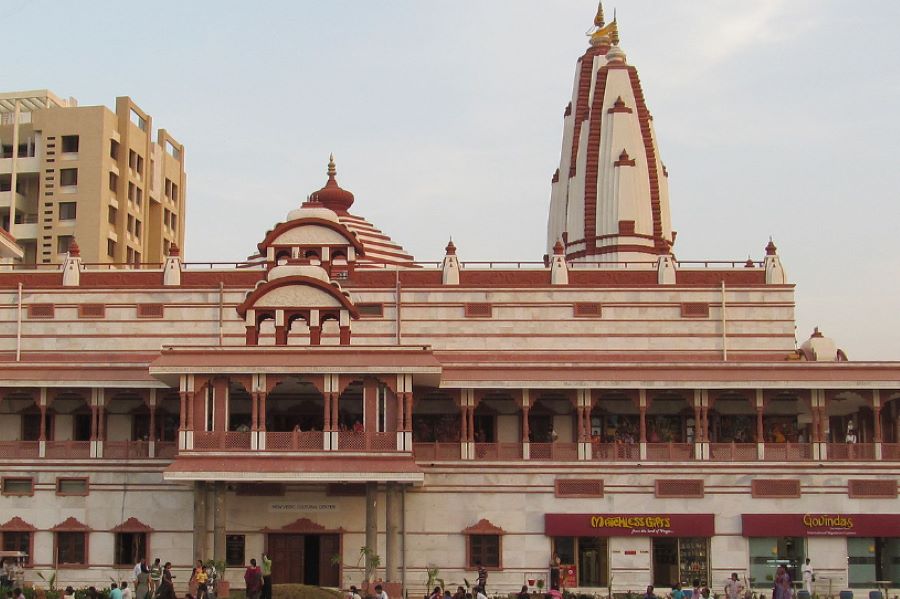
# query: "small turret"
172 267
774 270
72 265
665 270
559 270
450 266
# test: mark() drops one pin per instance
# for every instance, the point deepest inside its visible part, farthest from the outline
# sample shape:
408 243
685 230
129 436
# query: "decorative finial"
451 248
816 333
614 30
174 250
771 250
74 250
331 170
749 263
598 19
558 248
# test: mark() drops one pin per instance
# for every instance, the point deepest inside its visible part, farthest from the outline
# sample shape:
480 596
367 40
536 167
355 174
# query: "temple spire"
598 19
332 171
603 33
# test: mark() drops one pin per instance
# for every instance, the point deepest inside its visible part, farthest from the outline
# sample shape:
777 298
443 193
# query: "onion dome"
332 196
819 348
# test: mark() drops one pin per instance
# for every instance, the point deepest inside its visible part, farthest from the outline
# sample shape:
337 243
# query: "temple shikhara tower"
610 195
649 420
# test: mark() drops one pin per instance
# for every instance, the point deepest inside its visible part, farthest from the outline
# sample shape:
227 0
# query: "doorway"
304 558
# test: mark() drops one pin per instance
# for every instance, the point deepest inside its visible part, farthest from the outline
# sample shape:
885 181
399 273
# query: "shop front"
872 546
675 547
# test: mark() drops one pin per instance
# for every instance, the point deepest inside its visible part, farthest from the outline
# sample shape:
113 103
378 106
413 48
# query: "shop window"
589 555
68 177
69 143
234 550
680 560
484 550
18 540
18 486
871 559
767 553
71 486
130 547
71 548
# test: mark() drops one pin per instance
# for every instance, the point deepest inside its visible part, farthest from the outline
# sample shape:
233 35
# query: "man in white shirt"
379 592
137 569
126 591
809 575
479 593
733 588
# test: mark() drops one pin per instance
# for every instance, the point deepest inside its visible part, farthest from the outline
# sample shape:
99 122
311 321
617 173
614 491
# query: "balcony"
68 449
6 199
126 449
19 449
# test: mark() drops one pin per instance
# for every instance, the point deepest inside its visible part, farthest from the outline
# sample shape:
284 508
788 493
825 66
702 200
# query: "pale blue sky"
774 117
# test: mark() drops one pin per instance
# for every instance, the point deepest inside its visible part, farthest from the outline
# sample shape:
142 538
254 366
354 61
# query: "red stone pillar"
345 335
152 434
580 425
315 335
877 432
254 411
281 335
409 411
101 423
43 434
335 419
471 416
464 429
182 410
191 408
526 433
261 421
698 429
704 420
643 428
326 407
760 434
94 424
400 401
252 335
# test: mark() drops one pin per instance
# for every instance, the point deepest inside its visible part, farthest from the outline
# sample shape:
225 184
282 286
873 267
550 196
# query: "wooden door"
286 552
329 573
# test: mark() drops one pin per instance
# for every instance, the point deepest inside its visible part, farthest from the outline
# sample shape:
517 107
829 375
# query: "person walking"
126 591
156 572
733 588
142 587
253 580
267 577
166 584
555 563
482 576
809 576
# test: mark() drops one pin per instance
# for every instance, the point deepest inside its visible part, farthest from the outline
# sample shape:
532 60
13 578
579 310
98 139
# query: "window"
62 243
17 540
113 181
69 143
131 188
174 222
767 553
872 558
113 149
174 194
112 214
71 548
130 548
174 152
67 210
139 196
129 255
234 550
166 215
137 229
110 248
681 559
484 550
72 486
139 121
129 225
18 486
68 177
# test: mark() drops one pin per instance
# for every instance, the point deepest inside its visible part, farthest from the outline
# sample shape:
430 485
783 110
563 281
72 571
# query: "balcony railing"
295 441
851 451
436 451
19 449
222 440
670 452
68 449
350 441
787 452
497 451
126 449
616 452
733 452
557 451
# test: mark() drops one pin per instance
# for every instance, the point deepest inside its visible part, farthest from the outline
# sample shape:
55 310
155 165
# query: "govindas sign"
627 525
820 525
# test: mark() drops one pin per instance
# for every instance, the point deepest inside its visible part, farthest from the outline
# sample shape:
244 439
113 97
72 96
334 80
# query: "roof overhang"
419 361
296 469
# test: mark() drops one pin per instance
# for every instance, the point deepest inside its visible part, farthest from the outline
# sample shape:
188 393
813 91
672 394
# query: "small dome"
332 196
615 54
312 210
298 270
819 348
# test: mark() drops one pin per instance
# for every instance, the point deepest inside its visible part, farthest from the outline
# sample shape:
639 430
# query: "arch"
279 234
317 294
298 335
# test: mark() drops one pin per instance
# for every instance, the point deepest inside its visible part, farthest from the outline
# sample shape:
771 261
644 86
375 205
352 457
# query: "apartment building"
88 173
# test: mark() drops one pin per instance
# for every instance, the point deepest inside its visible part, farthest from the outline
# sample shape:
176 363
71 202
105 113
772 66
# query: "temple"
649 420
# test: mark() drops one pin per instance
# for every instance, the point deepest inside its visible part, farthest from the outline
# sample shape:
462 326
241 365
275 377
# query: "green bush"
302 591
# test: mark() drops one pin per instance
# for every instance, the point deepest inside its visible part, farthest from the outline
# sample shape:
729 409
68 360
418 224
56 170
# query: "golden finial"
598 19
331 170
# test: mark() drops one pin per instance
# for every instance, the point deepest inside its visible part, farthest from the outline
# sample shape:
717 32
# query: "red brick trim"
132 524
619 106
71 524
483 527
16 524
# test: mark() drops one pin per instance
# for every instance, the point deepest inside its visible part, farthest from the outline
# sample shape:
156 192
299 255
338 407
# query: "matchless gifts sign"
628 525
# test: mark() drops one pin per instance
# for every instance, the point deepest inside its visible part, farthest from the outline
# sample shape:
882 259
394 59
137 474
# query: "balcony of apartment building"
86 424
27 157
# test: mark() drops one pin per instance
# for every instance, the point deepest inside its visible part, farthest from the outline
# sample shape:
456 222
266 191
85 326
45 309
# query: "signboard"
280 507
835 524
628 525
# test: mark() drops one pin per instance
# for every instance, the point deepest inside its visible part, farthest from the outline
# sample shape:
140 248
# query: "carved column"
526 433
254 411
643 424
464 421
326 407
95 426
42 436
409 412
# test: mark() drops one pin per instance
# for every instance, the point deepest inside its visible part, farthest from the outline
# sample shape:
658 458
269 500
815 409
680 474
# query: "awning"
630 525
295 469
820 525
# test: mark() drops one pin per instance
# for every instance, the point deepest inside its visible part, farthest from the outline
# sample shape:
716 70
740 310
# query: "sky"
774 118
